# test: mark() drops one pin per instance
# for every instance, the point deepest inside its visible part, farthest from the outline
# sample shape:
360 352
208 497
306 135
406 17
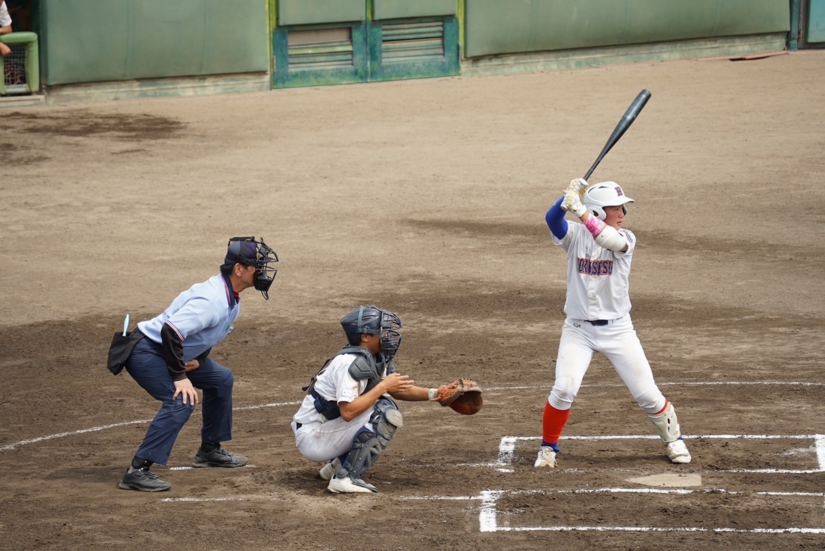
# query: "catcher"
349 414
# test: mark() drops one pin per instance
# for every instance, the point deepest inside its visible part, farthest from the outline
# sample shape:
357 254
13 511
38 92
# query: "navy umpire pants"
147 366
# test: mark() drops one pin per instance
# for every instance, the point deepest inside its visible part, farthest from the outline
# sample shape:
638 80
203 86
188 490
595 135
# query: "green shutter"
414 49
317 51
403 42
319 55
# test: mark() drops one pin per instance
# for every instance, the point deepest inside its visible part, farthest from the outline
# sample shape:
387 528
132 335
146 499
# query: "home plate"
669 480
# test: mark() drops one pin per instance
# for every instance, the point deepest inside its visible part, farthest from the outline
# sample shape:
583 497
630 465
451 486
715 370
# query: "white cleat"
546 458
328 470
678 452
348 485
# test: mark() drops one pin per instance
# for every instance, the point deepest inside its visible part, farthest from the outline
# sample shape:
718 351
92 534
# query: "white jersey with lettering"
597 278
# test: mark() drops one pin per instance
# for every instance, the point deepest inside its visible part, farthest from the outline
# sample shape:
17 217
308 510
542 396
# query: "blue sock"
554 446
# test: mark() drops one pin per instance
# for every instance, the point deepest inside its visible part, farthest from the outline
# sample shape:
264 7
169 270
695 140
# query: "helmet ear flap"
598 212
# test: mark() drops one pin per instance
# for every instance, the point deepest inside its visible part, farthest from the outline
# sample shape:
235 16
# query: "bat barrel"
624 123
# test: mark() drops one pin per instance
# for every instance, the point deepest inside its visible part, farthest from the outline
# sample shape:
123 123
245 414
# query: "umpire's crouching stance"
170 359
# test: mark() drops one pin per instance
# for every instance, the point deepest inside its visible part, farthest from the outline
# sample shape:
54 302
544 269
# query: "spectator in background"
5 27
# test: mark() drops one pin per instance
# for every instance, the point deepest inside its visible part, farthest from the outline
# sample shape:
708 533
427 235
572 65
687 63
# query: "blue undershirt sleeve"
555 220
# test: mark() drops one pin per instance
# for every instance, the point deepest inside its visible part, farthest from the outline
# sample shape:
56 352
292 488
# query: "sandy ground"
427 198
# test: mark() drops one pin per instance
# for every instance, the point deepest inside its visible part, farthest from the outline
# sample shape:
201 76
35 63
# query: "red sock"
553 423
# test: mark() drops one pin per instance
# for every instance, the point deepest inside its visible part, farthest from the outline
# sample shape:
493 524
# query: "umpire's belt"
598 322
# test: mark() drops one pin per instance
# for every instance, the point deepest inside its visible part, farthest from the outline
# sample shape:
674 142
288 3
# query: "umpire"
171 359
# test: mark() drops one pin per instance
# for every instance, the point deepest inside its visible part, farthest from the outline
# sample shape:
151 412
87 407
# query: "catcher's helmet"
249 252
371 320
605 194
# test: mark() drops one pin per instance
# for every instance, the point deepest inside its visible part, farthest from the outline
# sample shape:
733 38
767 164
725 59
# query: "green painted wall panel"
105 40
236 38
494 27
157 47
84 40
738 17
816 21
313 12
400 9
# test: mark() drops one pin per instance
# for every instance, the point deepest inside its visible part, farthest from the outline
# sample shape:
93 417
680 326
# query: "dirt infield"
428 198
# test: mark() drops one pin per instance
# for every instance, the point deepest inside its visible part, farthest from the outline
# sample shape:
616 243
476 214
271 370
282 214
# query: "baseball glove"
462 395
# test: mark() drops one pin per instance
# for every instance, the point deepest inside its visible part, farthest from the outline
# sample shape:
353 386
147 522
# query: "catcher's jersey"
203 316
334 384
597 278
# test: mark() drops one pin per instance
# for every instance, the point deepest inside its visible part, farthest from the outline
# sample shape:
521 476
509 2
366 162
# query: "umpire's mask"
249 252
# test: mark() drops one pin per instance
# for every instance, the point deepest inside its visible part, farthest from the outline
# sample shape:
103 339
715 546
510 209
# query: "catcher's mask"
605 194
371 320
249 252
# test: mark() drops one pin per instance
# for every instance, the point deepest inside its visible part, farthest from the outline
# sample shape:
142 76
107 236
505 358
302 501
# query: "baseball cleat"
328 470
142 480
546 458
349 485
678 452
218 458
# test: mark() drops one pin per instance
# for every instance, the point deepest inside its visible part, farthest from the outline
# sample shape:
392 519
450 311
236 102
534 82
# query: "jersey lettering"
595 267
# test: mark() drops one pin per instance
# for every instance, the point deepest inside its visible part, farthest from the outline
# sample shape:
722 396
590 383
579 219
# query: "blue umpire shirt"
202 316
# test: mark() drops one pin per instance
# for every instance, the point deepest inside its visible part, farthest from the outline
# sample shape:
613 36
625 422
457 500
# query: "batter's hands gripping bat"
628 118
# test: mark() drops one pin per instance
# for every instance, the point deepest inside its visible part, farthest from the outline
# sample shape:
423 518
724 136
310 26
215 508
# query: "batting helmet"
605 194
371 320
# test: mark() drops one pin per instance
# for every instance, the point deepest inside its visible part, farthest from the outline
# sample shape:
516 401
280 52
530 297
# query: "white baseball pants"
618 342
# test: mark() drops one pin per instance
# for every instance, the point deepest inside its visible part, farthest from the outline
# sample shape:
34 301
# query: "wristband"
432 394
594 225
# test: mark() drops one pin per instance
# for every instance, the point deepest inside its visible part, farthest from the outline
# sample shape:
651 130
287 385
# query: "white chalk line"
126 423
507 447
488 521
694 383
265 498
190 468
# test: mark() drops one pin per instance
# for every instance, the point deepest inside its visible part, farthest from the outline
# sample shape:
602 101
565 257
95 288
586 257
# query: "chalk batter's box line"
489 389
693 383
507 446
488 513
488 516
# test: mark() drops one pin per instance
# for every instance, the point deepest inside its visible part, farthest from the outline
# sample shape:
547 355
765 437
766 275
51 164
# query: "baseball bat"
625 122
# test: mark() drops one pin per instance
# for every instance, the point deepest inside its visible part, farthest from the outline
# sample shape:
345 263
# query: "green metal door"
316 42
816 21
413 49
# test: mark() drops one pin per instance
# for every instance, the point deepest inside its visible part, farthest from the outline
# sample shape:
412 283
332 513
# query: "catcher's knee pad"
370 444
667 425
365 451
386 419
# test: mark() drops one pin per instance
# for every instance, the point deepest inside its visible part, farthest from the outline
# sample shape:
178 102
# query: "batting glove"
572 203
578 185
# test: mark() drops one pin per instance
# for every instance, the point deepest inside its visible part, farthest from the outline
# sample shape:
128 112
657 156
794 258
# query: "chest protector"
363 368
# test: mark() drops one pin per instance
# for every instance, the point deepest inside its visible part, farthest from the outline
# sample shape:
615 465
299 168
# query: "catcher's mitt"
462 395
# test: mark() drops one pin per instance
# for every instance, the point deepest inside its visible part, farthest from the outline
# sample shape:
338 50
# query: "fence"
21 70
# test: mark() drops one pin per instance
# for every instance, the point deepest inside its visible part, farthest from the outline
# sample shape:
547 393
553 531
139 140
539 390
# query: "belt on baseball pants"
598 322
298 425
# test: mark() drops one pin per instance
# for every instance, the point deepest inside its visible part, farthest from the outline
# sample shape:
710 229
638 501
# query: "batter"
599 253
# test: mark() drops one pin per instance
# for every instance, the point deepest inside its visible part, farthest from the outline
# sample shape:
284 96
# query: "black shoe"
142 480
219 458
